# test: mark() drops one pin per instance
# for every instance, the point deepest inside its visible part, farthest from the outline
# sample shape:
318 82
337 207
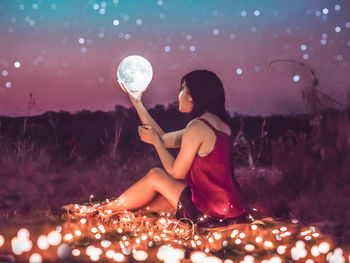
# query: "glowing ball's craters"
135 72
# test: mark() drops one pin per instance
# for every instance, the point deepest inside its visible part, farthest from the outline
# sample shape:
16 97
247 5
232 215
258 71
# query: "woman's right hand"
134 96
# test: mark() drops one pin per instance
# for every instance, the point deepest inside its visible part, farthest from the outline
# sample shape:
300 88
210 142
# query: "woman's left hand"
148 134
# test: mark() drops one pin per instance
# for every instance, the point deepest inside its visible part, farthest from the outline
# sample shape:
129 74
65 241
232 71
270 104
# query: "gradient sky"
66 52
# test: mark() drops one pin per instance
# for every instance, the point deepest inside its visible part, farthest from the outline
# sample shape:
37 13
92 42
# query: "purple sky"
69 51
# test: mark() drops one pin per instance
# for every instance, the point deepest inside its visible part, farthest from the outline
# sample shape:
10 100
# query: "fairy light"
63 251
323 247
249 247
118 257
281 249
23 233
248 259
241 235
35 258
198 257
42 242
298 251
275 259
76 252
336 256
143 233
268 243
110 253
315 251
68 237
140 255
216 236
2 240
54 238
106 243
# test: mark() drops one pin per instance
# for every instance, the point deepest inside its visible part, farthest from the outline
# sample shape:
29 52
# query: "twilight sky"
66 52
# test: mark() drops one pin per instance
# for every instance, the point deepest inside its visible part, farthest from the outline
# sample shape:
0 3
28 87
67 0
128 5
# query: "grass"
308 178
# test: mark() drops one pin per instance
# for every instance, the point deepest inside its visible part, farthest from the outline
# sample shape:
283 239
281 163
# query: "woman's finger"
122 86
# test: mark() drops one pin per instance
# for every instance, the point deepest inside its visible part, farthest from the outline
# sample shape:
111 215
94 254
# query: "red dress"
211 184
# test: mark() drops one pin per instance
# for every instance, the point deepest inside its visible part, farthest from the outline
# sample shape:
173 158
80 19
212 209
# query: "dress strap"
208 123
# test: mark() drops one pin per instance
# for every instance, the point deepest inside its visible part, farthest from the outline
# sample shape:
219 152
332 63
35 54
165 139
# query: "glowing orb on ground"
135 72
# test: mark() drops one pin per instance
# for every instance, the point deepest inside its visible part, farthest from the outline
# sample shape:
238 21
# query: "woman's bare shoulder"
196 127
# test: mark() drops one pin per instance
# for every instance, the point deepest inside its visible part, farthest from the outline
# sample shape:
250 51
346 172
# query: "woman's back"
215 190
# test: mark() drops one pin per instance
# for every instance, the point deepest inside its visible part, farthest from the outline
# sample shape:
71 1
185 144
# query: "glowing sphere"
42 242
23 233
198 256
140 255
63 251
35 258
2 240
119 257
135 72
54 238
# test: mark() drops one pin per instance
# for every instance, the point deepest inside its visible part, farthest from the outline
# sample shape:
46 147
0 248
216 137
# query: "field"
293 171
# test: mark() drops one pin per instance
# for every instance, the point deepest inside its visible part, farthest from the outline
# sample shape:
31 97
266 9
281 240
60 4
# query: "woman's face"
185 99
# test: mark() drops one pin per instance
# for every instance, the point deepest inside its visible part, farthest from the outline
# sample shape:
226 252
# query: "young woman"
199 182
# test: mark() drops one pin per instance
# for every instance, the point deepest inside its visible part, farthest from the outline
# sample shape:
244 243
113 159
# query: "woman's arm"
169 140
179 167
145 117
172 139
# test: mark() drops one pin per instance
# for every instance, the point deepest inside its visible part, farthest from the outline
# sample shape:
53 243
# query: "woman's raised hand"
134 96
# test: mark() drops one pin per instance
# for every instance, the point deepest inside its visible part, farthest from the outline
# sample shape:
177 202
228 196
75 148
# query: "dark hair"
208 94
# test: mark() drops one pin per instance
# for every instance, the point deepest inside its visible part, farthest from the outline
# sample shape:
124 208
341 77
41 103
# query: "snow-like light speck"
296 78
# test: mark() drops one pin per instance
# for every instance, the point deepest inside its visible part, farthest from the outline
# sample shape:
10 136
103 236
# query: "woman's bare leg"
157 180
160 204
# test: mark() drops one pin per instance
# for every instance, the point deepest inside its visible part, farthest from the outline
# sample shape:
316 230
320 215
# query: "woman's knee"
155 173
